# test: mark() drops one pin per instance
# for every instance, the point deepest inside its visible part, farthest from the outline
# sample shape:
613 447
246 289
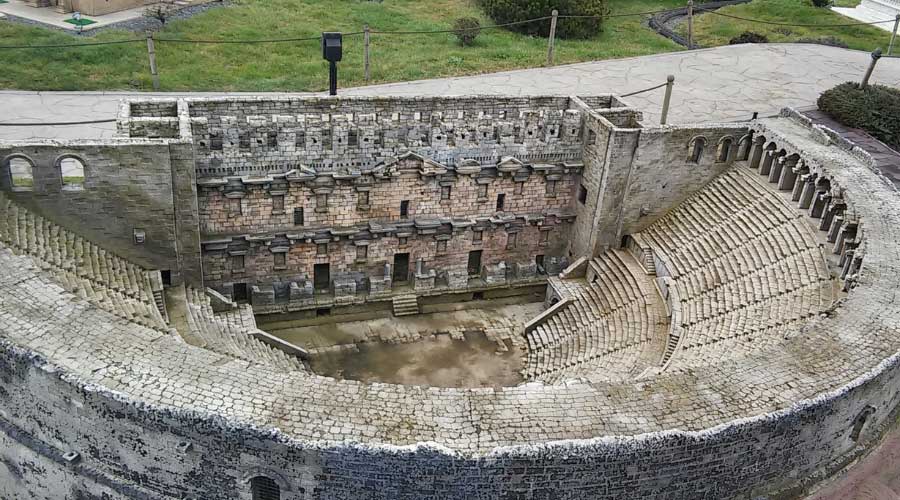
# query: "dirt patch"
439 361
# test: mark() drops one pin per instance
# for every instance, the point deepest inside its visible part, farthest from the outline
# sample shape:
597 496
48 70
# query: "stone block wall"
261 136
633 175
664 172
265 205
127 189
67 441
442 247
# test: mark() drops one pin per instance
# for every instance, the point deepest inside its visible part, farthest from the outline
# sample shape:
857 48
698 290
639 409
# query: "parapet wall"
258 136
137 451
127 189
95 404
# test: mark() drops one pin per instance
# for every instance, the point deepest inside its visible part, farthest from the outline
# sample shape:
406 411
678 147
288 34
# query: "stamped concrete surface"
721 84
49 16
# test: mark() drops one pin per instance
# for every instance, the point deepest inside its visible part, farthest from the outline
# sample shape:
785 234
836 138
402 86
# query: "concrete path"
49 15
718 84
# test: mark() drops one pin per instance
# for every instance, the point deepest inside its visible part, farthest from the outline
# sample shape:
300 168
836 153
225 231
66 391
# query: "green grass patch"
299 66
80 22
712 30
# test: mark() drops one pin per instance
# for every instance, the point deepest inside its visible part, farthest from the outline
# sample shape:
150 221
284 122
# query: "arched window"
724 152
264 488
744 147
696 146
860 421
21 173
71 171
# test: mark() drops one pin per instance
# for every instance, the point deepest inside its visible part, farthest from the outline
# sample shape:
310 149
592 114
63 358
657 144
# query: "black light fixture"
332 48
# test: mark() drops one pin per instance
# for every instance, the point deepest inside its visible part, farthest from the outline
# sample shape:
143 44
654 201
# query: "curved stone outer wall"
139 452
762 422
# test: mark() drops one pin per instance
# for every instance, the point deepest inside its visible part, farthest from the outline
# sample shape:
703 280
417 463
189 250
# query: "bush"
466 30
875 110
510 11
161 11
825 40
822 3
749 37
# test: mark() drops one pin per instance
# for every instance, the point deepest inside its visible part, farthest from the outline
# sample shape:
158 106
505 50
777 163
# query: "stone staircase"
649 265
405 305
671 346
160 300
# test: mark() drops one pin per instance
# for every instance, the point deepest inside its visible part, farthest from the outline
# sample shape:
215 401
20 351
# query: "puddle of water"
437 361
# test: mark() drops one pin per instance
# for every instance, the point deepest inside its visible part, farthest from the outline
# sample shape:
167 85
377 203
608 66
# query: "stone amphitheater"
720 316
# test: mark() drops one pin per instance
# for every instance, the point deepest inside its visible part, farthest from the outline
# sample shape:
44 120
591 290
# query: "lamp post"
76 16
332 48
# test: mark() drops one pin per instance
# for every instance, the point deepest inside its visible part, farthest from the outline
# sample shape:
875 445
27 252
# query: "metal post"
366 53
690 24
670 82
552 40
151 51
875 57
332 78
894 35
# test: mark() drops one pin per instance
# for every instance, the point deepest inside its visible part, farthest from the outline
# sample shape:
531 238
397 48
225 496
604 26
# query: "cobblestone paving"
719 84
831 352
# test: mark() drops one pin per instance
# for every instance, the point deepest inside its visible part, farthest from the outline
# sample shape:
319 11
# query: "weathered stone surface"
152 416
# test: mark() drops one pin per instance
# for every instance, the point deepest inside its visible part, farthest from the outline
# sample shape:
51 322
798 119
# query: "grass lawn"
299 66
711 30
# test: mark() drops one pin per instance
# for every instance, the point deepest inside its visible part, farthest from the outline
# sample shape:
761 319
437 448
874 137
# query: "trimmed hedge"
749 37
466 30
510 11
875 110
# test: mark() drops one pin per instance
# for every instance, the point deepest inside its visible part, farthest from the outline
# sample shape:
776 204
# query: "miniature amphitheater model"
721 315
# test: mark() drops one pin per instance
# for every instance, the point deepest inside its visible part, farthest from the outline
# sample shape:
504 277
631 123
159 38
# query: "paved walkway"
49 15
723 83
887 160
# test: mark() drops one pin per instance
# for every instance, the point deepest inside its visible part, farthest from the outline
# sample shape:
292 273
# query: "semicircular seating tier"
609 325
739 266
812 365
127 291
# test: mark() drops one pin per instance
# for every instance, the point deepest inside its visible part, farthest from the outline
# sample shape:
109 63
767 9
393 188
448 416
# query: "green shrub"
510 11
825 40
822 3
466 30
875 109
749 37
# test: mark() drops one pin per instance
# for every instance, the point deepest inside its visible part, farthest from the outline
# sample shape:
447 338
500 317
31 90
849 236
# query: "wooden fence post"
151 51
670 82
552 39
894 35
875 57
690 24
366 54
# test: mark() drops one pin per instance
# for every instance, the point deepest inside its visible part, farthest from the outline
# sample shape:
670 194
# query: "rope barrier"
270 40
54 124
629 14
426 32
494 26
645 90
775 23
